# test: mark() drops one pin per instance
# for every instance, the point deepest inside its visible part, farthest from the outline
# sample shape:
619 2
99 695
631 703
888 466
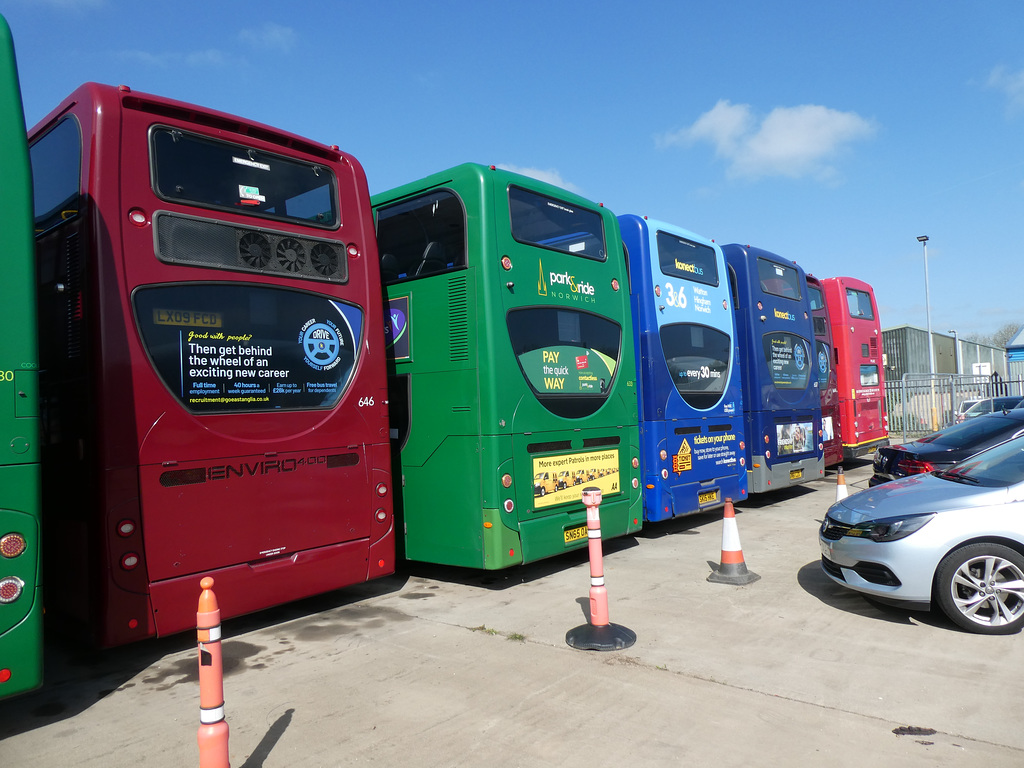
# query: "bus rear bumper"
761 477
863 449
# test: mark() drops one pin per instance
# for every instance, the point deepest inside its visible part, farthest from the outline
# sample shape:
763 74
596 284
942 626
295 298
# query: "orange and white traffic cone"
841 490
733 569
213 729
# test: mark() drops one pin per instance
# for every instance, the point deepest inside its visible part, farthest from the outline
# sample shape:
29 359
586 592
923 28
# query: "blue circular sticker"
799 356
321 345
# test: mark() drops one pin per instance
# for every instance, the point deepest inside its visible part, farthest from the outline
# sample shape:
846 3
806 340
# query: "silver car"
952 539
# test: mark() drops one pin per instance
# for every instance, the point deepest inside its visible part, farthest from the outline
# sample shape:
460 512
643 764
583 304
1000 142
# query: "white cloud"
211 57
789 141
550 176
269 36
1010 83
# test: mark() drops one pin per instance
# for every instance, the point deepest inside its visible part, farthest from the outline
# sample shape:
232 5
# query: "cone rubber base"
609 637
732 574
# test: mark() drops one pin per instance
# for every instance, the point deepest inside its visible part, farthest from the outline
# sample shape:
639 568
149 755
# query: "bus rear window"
200 171
56 160
241 347
568 357
869 375
859 304
778 279
680 257
698 361
816 298
789 360
556 224
421 236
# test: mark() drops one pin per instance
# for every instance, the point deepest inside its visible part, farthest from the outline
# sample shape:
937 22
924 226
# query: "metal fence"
920 403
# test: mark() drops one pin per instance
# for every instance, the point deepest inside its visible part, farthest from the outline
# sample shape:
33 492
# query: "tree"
1003 336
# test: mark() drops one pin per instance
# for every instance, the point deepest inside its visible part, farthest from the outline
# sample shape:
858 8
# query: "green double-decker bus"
21 610
513 380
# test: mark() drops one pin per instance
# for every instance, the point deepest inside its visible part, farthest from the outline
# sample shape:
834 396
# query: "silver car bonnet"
915 495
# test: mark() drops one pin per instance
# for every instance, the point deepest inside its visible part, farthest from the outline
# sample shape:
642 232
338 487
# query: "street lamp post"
923 240
956 351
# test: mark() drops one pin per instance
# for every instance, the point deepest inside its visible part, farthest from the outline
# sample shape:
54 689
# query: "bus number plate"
707 497
575 534
796 474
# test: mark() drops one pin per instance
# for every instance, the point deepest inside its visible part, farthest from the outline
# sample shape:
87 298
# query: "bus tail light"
382 489
506 480
664 474
130 561
506 263
12 545
381 515
352 250
125 528
663 455
615 284
509 505
636 483
636 462
10 589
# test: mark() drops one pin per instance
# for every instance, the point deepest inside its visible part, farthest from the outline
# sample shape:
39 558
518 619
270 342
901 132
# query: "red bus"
864 424
213 386
827 382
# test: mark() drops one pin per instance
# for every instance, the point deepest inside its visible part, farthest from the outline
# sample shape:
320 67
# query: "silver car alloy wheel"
981 588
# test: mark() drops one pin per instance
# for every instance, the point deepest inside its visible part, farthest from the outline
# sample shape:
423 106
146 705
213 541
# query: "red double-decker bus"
212 384
831 438
856 333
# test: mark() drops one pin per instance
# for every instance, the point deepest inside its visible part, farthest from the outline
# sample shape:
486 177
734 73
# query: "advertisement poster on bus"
561 479
719 449
788 358
569 370
248 348
797 437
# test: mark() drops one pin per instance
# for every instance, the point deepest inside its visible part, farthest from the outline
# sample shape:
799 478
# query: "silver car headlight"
890 529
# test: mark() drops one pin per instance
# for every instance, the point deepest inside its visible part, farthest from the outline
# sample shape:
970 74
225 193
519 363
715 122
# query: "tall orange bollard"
213 729
599 634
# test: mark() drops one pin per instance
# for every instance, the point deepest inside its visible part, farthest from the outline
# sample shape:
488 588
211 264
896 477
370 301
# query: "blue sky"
830 133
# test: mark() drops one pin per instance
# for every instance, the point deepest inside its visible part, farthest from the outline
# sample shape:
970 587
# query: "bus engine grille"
201 242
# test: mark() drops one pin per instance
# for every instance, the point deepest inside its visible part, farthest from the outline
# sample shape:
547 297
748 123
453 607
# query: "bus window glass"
778 279
421 236
698 360
201 171
56 164
248 348
550 223
816 297
684 258
824 361
568 357
789 360
869 375
859 304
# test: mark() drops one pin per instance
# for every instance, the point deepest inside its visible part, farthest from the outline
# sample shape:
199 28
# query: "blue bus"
689 391
782 405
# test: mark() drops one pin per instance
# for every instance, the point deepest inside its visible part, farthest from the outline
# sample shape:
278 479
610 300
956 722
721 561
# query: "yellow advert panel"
561 479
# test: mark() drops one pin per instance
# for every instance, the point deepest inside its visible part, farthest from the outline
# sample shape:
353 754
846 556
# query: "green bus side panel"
21 619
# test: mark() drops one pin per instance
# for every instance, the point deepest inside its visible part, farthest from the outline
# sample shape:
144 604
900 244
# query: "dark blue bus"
782 406
690 406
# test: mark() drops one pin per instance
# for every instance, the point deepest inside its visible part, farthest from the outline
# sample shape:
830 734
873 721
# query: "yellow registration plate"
575 534
707 497
796 474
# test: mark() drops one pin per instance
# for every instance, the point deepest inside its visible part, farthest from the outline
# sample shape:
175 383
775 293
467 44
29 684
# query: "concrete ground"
441 667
